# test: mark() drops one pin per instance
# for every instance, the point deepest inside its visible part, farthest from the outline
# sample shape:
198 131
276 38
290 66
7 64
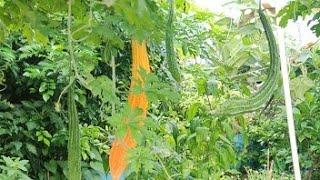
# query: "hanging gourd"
120 147
255 102
74 158
171 56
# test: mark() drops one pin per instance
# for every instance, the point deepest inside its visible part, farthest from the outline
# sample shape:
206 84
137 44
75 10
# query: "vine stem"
248 73
113 65
209 102
164 168
64 90
70 47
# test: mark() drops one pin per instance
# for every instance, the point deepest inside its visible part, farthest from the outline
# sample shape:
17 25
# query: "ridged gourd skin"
74 149
171 56
239 106
120 147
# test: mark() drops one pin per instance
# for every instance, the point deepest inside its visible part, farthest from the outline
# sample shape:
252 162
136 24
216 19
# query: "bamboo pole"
288 102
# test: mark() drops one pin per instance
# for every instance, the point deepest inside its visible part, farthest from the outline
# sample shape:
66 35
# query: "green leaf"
2 35
292 11
47 134
202 86
31 125
31 148
300 85
28 33
2 3
46 97
98 166
212 86
223 138
51 166
101 87
192 111
46 142
43 87
3 131
17 145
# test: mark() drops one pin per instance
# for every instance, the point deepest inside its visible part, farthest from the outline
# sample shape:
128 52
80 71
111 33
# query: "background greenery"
219 58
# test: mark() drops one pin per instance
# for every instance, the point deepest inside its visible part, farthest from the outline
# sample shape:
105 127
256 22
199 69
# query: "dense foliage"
219 58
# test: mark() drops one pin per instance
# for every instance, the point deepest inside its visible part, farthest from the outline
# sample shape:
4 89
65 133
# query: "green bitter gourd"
74 156
238 106
171 57
74 138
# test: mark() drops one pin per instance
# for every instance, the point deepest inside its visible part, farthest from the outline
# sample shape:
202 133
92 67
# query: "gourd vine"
171 57
74 158
255 102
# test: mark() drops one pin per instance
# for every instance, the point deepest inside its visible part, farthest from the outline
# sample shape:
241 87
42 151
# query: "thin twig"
209 102
247 73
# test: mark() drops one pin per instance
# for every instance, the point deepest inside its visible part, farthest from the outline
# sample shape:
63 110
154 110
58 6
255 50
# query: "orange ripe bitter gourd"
139 60
118 153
